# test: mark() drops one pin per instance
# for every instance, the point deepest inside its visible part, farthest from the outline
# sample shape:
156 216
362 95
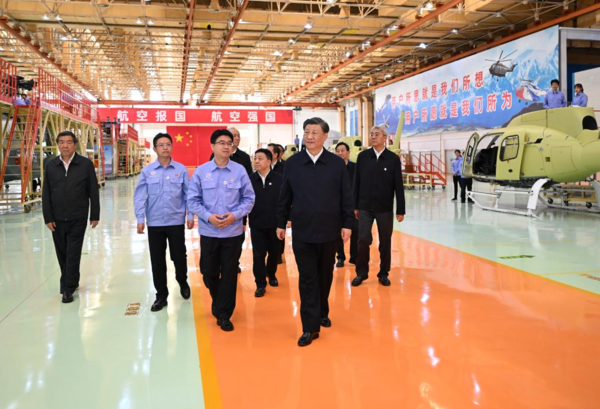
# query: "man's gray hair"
233 128
381 128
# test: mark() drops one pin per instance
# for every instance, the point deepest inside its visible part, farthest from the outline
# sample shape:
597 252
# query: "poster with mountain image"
482 91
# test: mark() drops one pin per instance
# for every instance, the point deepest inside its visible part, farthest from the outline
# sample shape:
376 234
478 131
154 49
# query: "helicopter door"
469 154
510 156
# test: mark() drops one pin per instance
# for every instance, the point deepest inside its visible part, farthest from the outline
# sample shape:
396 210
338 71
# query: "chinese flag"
191 144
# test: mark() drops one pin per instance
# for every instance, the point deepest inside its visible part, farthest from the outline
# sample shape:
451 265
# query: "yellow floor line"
571 272
208 370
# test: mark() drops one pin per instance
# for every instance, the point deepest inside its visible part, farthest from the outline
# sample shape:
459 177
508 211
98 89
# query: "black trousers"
157 239
219 259
68 242
385 228
265 244
465 184
456 180
341 253
315 268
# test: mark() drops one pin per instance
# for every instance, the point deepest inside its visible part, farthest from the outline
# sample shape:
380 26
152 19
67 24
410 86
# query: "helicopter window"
486 155
510 148
589 122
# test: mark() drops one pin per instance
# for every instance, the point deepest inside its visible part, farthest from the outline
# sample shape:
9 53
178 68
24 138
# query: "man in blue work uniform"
266 184
457 164
316 196
160 202
555 98
579 99
221 195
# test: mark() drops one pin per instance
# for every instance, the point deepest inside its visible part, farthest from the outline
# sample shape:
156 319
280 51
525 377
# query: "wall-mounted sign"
481 91
227 117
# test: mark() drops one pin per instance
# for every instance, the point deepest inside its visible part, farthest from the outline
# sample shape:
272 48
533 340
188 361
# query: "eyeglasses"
223 144
164 145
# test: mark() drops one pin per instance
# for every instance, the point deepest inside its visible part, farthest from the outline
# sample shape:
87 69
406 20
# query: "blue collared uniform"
216 190
457 166
580 100
161 195
555 100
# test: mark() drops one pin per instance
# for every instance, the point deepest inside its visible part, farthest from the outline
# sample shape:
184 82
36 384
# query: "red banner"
191 144
227 117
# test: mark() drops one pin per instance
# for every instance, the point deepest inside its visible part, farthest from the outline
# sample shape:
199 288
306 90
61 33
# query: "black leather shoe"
273 282
225 324
325 322
67 297
280 261
307 338
186 292
159 304
340 263
358 281
385 281
239 270
453 199
260 292
352 261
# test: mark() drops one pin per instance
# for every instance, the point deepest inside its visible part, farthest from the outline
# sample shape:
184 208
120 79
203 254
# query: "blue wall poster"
481 91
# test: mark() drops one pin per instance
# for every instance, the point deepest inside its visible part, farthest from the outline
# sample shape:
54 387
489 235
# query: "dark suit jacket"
377 181
316 197
279 167
351 166
263 214
69 197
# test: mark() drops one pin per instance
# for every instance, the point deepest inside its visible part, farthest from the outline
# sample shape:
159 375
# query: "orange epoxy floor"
453 331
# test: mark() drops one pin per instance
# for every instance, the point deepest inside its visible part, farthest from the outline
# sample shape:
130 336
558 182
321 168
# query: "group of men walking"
327 199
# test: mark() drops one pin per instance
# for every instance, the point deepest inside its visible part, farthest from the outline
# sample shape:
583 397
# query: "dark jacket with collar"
316 197
67 197
279 167
263 214
376 182
240 157
351 168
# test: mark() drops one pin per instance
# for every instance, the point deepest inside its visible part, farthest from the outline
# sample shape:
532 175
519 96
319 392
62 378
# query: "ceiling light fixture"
348 54
423 45
291 41
45 17
139 21
454 31
308 24
214 6
58 17
150 22
144 40
428 6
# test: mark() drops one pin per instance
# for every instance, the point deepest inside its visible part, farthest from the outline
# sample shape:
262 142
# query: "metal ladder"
20 146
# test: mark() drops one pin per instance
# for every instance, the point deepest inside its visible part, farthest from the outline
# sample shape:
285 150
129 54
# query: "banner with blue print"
481 91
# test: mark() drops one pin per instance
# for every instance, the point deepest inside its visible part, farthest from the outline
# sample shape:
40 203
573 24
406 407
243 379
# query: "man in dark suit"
70 190
278 164
316 197
343 151
377 179
263 226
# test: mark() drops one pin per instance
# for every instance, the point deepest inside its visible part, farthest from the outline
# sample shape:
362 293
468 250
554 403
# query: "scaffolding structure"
28 134
425 171
127 150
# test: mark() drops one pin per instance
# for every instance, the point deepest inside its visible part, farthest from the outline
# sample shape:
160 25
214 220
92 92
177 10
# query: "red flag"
191 144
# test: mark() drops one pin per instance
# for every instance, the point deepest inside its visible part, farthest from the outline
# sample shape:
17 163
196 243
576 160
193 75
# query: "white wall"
590 80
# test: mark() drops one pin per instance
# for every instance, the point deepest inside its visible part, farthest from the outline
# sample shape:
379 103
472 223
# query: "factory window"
510 148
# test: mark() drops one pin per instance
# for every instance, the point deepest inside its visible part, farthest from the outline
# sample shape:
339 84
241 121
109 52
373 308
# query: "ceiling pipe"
187 45
221 52
481 48
128 102
386 41
16 33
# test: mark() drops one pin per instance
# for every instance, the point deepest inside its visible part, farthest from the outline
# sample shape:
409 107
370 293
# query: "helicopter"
498 69
529 92
559 145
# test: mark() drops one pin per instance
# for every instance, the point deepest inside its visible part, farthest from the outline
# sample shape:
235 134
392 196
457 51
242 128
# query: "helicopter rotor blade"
506 56
502 51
